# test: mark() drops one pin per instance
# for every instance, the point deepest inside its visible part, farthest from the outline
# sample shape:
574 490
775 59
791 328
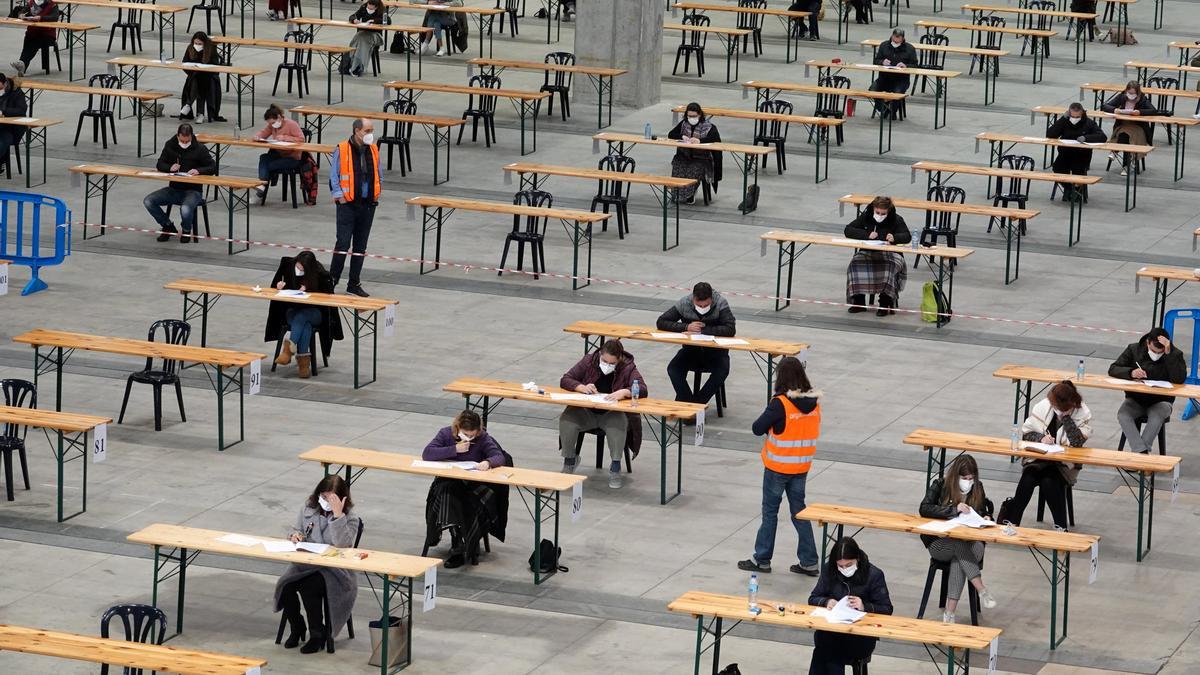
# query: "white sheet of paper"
1044 448
1158 384
100 444
152 173
284 144
291 293
1068 141
700 337
729 342
1032 138
862 242
430 589
278 545
666 336
555 396
842 612
423 464
25 120
312 547
972 519
939 526
239 540
255 376
576 502
389 321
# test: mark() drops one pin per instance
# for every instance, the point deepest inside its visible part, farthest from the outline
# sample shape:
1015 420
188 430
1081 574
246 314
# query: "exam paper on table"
700 337
423 464
1157 384
239 539
292 293
842 612
666 336
939 526
312 547
729 342
1044 448
865 242
278 545
972 519
594 398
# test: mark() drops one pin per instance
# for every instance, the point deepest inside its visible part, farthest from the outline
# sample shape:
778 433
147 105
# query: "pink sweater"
290 131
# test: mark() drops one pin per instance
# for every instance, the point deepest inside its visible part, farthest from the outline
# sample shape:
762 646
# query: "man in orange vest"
354 183
792 424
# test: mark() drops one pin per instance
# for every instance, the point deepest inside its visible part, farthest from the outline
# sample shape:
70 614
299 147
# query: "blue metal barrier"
1193 357
21 239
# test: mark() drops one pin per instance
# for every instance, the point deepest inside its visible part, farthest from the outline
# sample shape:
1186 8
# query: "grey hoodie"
718 321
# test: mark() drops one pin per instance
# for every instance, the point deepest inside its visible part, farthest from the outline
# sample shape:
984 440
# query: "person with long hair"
846 574
279 159
12 104
1131 102
880 273
792 424
306 274
959 491
201 96
326 517
702 165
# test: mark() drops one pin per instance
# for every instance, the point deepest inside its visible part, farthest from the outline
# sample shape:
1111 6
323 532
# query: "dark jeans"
9 137
309 590
713 361
897 84
271 162
353 228
33 44
860 10
832 652
301 321
1071 161
1047 477
187 201
798 27
774 486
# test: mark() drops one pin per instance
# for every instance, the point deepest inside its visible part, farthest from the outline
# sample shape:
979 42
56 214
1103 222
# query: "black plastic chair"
936 566
600 454
1164 104
100 110
720 398
930 59
753 22
287 180
129 24
456 535
1162 435
615 193
512 10
1068 494
1038 22
534 232
294 61
17 394
208 8
145 624
325 602
774 132
481 107
692 42
398 135
561 84
14 151
375 65
831 105
316 346
988 40
1015 191
941 224
175 332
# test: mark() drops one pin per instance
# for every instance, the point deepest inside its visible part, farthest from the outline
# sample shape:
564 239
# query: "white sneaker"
185 110
441 52
614 480
200 118
1114 156
987 599
259 192
19 67
427 47
947 617
1124 172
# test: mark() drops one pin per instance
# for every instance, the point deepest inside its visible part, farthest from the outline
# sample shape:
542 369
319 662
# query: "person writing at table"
1074 126
471 510
12 104
847 574
958 492
281 129
365 41
896 53
1151 358
609 371
881 273
325 518
441 23
181 154
1131 103
704 312
1059 419
37 37
201 94
306 274
701 165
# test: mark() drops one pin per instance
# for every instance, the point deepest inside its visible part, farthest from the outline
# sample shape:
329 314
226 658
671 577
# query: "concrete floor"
628 556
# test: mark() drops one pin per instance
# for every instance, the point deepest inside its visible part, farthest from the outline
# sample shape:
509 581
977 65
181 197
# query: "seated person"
704 312
611 371
879 273
702 165
847 574
12 104
1076 126
813 7
1151 358
1059 419
365 42
1084 7
471 510
325 518
278 128
860 10
201 91
959 491
441 23
182 153
302 273
37 38
895 53
1134 103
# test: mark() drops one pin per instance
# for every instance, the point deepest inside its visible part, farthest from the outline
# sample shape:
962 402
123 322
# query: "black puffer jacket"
867 583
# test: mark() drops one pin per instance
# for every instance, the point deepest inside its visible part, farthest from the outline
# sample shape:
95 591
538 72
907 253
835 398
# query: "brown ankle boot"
285 355
305 363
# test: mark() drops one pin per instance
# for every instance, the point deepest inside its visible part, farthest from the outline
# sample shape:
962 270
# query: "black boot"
858 301
316 642
166 233
885 306
297 634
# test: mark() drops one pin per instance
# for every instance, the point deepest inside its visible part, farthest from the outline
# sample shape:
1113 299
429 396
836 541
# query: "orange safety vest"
346 170
792 451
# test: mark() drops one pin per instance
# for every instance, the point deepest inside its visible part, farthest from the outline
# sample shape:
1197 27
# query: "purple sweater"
482 447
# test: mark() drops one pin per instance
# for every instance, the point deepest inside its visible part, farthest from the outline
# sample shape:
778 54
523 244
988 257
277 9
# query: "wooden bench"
601 78
165 14
1046 546
1039 38
579 230
941 80
1186 49
177 546
62 344
101 177
730 38
71 431
763 351
787 240
664 188
544 488
436 128
410 34
142 102
1002 144
818 127
34 136
221 144
745 156
786 17
768 91
953 641
1012 221
981 11
361 313
76 35
665 417
990 58
75 647
1147 69
130 70
1181 124
1128 464
526 103
484 17
332 55
1162 276
1100 89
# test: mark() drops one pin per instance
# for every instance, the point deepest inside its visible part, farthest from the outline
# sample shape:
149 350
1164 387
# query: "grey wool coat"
339 584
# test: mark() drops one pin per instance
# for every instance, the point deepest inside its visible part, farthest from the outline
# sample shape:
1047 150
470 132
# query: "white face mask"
693 119
198 46
1131 97
322 503
879 218
702 310
1075 120
368 139
299 271
463 437
276 125
1154 356
965 485
848 571
607 368
185 146
897 43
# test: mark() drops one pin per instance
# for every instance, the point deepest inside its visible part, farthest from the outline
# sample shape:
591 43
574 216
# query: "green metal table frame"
164 19
526 110
843 20
665 431
411 44
182 557
439 137
1162 291
1121 10
941 98
332 60
223 384
68 447
603 84
746 164
130 74
1180 141
997 149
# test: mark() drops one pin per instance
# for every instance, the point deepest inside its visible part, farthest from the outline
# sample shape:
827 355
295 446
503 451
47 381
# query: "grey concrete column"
621 34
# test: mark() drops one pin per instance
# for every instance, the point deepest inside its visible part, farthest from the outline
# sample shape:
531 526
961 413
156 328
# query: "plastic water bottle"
636 391
752 594
1016 437
916 239
1079 371
646 131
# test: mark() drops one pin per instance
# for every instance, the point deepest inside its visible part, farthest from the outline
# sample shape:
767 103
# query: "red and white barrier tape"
467 267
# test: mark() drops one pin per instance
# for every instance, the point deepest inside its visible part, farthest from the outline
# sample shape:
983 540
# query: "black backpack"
550 558
750 201
731 669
